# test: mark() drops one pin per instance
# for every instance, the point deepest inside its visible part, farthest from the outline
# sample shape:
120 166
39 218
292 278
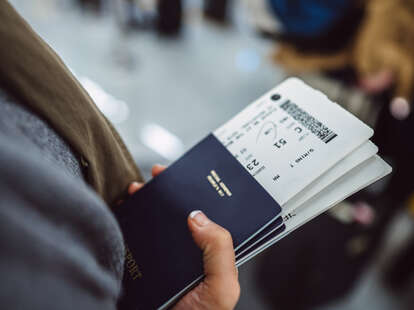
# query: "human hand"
220 289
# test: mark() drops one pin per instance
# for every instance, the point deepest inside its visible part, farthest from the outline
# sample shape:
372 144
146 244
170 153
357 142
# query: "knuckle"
221 238
226 237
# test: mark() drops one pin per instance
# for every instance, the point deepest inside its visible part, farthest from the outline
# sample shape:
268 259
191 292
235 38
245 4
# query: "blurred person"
63 167
165 16
316 26
378 45
95 5
170 14
360 53
216 10
168 17
135 14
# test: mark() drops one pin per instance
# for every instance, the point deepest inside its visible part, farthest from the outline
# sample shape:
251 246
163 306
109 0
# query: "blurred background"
167 72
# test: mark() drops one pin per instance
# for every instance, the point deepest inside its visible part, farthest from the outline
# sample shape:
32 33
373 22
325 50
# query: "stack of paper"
305 150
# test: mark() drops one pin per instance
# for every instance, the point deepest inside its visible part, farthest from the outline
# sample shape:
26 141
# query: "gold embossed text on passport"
131 265
217 183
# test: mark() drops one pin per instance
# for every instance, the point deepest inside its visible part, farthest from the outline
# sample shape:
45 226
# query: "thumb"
221 279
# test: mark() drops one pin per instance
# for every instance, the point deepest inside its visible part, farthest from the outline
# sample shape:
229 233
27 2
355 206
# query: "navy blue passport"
162 262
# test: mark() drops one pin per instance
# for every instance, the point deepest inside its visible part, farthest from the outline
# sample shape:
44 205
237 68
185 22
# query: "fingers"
133 187
157 169
218 258
216 244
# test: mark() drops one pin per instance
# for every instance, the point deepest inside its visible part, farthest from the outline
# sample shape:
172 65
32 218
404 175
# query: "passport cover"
161 258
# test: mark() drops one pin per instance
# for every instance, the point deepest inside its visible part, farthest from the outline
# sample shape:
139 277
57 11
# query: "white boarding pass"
290 136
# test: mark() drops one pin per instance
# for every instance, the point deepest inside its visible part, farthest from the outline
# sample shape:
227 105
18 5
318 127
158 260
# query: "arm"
60 247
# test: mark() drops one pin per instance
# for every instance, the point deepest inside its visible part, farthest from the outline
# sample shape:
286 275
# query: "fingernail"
199 218
133 187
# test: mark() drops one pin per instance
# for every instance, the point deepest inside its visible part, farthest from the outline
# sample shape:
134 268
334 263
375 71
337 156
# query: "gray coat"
60 246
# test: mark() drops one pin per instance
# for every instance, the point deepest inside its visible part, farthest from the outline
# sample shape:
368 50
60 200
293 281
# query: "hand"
135 186
220 289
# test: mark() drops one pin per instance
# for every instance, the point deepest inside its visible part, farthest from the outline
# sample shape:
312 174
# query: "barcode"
308 121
